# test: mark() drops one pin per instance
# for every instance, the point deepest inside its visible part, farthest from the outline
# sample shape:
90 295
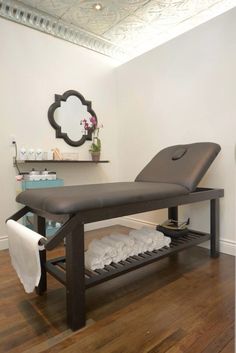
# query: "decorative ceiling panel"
94 21
119 34
121 29
52 7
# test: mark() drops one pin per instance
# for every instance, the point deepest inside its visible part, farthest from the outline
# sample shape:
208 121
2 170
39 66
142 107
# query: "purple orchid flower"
93 121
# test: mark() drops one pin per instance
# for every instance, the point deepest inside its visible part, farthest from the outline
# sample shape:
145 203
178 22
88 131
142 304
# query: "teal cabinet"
39 184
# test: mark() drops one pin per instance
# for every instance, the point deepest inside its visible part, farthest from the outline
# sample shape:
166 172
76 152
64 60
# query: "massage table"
169 180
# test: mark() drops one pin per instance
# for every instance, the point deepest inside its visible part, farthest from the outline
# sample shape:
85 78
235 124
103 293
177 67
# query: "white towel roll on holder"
24 247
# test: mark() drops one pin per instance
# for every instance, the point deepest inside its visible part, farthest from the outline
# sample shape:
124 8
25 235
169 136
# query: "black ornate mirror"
66 115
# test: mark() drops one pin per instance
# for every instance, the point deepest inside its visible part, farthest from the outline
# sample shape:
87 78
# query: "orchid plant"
92 124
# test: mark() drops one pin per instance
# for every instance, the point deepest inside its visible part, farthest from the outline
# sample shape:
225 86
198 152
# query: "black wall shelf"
59 161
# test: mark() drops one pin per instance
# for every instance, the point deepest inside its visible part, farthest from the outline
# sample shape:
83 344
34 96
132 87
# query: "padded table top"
73 199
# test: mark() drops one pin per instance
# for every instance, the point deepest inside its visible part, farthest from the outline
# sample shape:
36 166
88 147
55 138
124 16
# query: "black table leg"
75 282
215 227
173 213
40 226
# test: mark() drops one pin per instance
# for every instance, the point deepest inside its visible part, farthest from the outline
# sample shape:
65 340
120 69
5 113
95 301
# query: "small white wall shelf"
58 161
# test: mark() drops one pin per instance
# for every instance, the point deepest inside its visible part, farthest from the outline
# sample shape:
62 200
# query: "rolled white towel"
104 250
157 239
101 248
152 238
143 234
118 247
124 238
93 261
160 240
131 246
156 236
139 247
167 241
116 243
128 242
164 239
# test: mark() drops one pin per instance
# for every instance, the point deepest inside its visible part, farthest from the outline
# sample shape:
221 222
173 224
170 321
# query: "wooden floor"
183 304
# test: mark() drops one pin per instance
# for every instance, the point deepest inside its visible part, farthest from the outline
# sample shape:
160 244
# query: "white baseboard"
102 224
226 246
135 223
3 243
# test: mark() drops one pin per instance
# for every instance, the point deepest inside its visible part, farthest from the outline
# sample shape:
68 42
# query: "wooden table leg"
40 226
75 282
215 227
173 213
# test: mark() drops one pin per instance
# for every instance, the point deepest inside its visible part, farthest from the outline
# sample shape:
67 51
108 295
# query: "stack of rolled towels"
118 247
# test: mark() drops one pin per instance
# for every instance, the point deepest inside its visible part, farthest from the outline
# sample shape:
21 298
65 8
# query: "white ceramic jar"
39 154
23 154
31 154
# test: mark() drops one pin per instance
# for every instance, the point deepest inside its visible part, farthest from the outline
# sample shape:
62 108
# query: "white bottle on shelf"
39 154
23 154
31 154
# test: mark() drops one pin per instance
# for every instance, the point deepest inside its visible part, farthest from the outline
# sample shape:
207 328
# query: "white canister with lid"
44 174
23 154
34 174
31 154
39 154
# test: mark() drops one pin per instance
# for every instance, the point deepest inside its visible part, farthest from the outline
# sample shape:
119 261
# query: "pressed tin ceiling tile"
52 7
119 33
113 12
151 11
122 29
98 22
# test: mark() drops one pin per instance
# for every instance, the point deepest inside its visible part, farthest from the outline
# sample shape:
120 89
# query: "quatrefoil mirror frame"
58 129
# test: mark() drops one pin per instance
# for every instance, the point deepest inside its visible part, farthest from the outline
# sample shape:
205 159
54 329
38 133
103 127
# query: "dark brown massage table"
169 180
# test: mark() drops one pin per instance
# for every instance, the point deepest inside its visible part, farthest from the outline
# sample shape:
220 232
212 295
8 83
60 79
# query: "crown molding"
33 18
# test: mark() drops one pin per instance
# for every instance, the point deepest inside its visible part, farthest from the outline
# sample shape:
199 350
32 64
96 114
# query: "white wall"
33 67
182 92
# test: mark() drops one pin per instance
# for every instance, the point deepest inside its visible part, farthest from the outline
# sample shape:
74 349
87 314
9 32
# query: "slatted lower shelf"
57 267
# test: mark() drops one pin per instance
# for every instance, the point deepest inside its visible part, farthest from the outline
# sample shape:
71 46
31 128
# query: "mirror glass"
69 115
